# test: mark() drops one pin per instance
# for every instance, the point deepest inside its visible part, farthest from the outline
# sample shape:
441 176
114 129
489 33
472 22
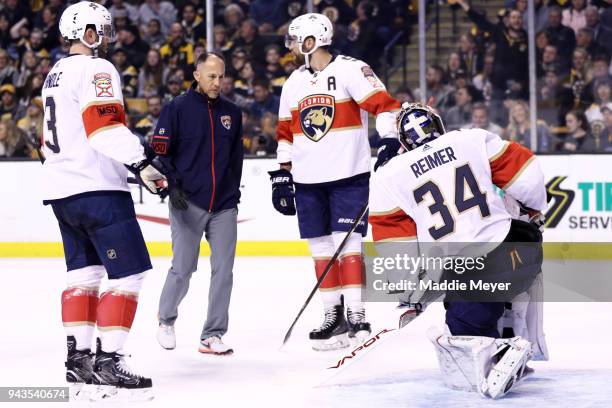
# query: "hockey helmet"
313 25
77 18
418 124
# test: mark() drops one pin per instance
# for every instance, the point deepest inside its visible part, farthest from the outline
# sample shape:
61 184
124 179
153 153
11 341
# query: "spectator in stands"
459 115
50 28
153 35
342 12
177 51
5 36
480 119
151 75
233 16
172 89
145 126
435 88
270 12
251 42
265 142
250 130
471 58
273 67
13 141
121 20
163 11
482 81
584 40
31 89
519 128
363 34
606 135
9 107
453 65
32 122
602 98
60 51
135 49
227 90
119 59
193 25
29 65
540 17
591 15
574 17
263 100
239 58
549 61
222 43
579 138
129 82
288 63
510 63
600 73
122 7
554 100
244 85
404 95
579 76
561 36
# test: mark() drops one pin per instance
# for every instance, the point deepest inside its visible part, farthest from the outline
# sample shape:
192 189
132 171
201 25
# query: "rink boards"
580 211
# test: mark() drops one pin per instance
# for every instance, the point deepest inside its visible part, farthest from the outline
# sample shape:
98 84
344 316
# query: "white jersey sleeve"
516 170
371 95
103 113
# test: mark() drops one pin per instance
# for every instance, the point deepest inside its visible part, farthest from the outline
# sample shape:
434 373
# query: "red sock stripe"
351 270
116 310
79 305
332 279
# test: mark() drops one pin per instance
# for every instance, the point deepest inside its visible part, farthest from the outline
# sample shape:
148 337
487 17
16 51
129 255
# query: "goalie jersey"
443 190
323 120
85 140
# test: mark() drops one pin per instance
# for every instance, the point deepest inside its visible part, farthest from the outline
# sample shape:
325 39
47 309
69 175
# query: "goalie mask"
418 124
313 25
77 18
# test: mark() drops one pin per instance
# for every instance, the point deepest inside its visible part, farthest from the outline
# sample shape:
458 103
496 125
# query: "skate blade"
205 350
337 342
110 393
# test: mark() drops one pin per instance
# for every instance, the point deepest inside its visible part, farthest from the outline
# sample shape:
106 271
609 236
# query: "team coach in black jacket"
199 140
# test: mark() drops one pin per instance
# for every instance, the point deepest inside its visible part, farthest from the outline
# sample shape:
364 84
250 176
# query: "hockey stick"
326 271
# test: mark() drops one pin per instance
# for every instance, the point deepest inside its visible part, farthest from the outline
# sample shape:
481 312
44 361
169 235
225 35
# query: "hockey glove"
283 193
388 148
150 177
178 198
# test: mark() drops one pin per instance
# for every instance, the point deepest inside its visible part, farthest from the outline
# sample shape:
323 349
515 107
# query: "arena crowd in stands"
483 84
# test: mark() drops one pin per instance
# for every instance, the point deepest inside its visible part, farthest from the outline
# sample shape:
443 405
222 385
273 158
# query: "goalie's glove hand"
388 148
150 177
283 192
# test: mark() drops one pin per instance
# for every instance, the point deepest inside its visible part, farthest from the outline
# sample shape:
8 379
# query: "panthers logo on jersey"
316 115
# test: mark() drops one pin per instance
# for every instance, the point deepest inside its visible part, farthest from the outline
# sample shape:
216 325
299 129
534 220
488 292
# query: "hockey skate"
358 328
332 335
113 380
79 369
512 356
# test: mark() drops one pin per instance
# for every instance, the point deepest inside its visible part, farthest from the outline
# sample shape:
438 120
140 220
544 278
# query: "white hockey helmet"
76 18
313 25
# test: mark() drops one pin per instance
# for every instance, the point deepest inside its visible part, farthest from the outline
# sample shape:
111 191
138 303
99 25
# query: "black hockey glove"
283 193
178 198
150 176
388 148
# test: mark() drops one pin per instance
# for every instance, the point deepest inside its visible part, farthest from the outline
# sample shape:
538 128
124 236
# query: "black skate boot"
332 333
113 379
358 328
79 367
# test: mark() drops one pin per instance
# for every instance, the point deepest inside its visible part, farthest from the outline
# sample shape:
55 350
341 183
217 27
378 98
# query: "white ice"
268 292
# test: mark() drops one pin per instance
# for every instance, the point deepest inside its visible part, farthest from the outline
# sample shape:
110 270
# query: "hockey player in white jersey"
442 191
323 151
88 151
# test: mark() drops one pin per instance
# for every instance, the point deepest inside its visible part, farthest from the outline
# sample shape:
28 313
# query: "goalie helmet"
418 124
77 18
313 25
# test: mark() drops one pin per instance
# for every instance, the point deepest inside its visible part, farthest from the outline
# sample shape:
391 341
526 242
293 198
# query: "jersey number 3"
463 178
54 146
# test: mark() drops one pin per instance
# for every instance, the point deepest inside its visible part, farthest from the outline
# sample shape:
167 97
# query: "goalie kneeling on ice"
485 365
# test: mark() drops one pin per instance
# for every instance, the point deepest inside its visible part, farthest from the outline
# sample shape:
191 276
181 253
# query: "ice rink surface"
268 292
